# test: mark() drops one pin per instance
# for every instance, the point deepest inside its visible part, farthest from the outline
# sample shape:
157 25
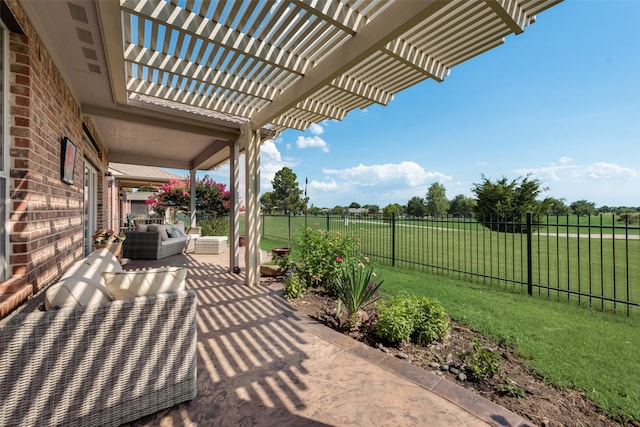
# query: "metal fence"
593 261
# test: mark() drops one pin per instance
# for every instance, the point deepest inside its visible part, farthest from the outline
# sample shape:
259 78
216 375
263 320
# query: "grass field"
566 264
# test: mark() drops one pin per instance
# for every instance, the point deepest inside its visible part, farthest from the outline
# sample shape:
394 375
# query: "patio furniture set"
157 241
102 346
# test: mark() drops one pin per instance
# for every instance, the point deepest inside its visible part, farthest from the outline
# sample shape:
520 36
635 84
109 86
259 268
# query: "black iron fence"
590 260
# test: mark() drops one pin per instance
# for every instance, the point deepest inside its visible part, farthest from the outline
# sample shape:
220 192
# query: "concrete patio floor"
259 364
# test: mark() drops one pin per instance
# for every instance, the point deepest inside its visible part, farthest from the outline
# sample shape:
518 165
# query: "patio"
260 364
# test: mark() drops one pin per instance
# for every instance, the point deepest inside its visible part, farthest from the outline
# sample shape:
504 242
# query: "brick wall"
46 217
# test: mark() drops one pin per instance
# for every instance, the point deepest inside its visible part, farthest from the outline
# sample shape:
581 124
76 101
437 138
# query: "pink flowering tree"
212 198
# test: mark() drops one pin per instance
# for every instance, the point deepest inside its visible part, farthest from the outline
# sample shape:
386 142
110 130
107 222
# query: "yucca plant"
355 289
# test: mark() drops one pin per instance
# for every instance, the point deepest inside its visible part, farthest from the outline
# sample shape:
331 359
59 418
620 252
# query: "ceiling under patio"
171 83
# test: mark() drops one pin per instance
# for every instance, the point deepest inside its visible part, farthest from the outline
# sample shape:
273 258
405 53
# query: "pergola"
191 84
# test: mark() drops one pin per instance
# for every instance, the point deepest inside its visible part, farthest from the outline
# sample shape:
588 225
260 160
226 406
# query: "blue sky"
560 101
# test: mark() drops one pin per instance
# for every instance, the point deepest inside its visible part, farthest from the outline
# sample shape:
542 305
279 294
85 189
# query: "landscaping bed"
513 386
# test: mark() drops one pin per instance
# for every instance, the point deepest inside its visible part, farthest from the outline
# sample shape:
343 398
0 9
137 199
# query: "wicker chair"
98 366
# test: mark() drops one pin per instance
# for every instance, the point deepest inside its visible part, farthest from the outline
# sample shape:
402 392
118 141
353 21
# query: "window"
4 161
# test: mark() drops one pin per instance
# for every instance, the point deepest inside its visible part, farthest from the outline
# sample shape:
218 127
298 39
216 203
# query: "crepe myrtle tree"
212 198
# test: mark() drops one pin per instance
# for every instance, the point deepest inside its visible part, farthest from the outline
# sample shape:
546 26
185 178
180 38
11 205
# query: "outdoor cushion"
75 292
143 228
131 284
160 229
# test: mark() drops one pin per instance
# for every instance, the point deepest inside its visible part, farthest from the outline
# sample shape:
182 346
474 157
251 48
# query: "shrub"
354 288
294 287
214 226
319 254
482 362
407 318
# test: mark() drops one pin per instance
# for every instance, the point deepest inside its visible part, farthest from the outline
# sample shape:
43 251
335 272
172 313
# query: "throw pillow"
160 229
143 228
179 227
75 292
136 283
171 232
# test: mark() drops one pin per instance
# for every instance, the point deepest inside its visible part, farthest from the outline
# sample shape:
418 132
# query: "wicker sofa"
149 242
97 365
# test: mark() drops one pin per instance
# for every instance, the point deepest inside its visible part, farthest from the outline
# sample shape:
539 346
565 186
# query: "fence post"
328 217
529 254
289 228
393 239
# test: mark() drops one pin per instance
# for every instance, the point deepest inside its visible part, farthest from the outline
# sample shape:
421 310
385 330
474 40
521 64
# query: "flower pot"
114 247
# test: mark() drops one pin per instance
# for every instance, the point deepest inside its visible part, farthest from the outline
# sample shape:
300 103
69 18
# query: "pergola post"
192 192
252 204
234 220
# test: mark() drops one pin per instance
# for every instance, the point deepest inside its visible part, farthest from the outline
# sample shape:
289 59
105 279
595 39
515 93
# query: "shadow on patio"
259 364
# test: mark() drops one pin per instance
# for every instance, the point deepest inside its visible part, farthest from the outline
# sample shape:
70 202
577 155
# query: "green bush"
214 226
482 362
320 255
294 287
406 318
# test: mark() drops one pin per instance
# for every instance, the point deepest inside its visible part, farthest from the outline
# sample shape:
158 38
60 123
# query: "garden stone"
462 376
444 368
402 356
435 365
454 371
449 358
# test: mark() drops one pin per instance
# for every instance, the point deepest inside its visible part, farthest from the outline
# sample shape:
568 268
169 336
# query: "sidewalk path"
259 364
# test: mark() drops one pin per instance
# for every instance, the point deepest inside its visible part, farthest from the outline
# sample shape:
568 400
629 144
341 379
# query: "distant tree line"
495 203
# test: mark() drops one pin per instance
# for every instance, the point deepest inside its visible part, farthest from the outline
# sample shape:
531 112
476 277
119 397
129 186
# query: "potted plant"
105 238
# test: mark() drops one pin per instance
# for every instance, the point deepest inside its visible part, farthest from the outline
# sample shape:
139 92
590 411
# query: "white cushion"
75 292
131 284
143 228
93 266
179 226
160 229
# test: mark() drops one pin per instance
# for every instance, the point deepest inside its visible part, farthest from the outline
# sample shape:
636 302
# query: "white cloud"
312 141
592 171
601 182
377 184
565 159
316 129
405 173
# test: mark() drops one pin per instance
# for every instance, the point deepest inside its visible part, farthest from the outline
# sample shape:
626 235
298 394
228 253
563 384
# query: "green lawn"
568 346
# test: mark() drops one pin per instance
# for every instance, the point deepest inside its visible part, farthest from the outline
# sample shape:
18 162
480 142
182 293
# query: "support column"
252 205
192 197
234 217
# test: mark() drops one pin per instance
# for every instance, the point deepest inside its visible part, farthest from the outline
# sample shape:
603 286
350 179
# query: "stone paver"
259 364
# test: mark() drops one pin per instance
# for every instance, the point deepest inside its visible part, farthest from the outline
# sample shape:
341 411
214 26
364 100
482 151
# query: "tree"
373 209
501 204
338 210
436 200
416 207
354 205
212 198
389 210
287 193
583 208
267 204
557 206
462 206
